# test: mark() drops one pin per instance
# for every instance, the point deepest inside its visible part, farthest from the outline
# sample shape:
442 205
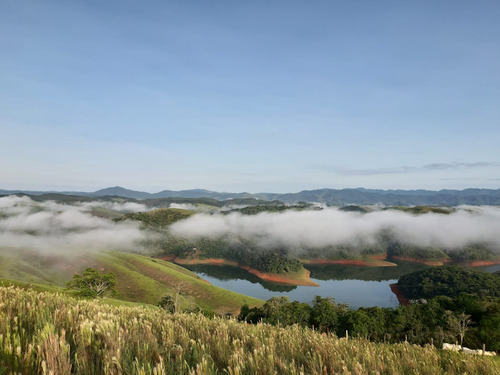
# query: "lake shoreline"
301 278
481 263
399 295
433 263
369 262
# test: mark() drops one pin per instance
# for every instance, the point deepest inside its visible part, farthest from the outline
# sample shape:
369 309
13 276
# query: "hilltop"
327 196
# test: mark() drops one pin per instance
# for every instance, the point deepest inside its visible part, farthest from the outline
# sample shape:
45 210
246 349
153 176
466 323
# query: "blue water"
355 285
356 293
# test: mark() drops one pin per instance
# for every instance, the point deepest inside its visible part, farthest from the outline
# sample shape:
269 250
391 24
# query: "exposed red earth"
481 263
399 295
379 257
302 278
296 279
422 261
371 262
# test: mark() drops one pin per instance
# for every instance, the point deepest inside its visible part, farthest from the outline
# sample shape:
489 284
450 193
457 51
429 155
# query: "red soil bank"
275 278
168 257
352 262
422 261
399 295
379 257
478 263
481 263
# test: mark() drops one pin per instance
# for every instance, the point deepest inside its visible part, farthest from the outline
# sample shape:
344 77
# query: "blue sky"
252 96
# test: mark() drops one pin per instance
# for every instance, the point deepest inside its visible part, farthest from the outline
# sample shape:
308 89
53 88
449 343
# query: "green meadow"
139 278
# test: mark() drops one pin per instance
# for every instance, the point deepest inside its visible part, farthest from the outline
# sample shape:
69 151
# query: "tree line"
469 318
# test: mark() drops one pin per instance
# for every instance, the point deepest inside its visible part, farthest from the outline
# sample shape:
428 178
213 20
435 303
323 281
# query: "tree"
324 314
92 284
275 310
488 328
168 303
459 324
178 286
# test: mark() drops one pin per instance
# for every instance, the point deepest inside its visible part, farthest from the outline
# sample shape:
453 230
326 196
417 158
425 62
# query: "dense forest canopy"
449 281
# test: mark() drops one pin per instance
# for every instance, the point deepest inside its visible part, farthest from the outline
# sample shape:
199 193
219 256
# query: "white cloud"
53 227
296 229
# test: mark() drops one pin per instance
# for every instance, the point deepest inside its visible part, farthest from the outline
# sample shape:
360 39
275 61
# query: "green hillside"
158 219
418 210
139 278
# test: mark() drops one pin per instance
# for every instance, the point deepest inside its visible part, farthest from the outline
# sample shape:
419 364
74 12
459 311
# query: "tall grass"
43 333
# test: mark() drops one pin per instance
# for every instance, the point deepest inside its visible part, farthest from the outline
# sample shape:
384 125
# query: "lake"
355 285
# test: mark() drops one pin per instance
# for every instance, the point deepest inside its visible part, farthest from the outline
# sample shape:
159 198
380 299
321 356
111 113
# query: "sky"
253 96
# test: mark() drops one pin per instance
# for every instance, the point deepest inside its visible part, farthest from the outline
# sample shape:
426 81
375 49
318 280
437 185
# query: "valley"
282 246
306 270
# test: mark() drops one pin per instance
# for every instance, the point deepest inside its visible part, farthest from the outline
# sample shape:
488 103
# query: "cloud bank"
302 229
53 227
71 229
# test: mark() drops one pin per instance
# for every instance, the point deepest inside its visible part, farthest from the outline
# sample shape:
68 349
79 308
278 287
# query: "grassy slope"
91 338
57 289
139 278
145 279
26 266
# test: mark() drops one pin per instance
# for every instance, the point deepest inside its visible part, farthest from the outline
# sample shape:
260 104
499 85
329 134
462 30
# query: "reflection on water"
356 285
229 273
356 293
491 269
347 272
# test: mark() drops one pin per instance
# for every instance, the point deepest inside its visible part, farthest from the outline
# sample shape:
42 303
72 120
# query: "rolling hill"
139 278
327 196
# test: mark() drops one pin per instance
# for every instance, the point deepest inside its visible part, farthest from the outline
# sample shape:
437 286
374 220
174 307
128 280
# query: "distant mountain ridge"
326 196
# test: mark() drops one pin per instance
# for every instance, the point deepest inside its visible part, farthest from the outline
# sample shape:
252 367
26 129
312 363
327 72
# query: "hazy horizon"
88 190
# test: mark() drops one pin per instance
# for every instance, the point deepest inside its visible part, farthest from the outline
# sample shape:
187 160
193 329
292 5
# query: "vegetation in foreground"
449 304
467 319
47 333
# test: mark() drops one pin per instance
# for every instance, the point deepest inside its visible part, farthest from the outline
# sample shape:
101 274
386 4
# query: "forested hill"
449 281
327 196
394 197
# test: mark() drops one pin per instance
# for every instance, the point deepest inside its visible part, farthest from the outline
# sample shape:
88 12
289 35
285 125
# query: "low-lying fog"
53 227
331 226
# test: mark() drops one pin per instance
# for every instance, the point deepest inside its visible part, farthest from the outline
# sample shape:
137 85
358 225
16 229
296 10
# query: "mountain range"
327 196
